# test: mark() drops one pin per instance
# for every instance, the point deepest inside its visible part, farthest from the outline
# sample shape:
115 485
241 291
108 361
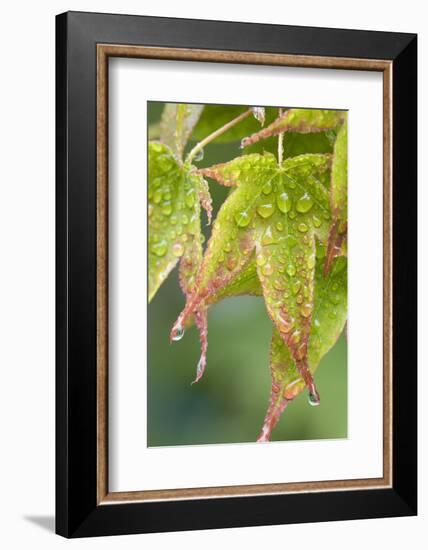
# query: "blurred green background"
229 404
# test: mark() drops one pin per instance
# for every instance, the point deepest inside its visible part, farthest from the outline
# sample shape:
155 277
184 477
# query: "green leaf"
177 123
277 213
174 218
298 120
338 196
329 318
216 116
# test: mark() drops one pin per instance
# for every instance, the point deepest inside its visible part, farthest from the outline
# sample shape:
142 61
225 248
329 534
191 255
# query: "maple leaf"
338 197
329 318
275 212
175 192
303 121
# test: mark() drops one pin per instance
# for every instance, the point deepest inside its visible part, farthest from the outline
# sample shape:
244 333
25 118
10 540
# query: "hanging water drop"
178 333
313 399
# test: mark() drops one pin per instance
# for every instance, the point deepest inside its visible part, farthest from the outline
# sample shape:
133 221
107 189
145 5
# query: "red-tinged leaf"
329 319
303 121
278 211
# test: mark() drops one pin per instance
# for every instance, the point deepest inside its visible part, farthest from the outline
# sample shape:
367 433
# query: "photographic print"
247 252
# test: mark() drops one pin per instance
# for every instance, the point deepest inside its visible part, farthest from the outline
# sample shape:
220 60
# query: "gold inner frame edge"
104 51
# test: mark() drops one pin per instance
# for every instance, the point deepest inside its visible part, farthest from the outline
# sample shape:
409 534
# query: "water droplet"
291 241
295 287
335 299
227 247
285 325
317 221
295 337
302 227
283 201
332 314
268 237
292 214
199 156
304 204
291 270
299 299
265 210
178 333
311 261
156 147
157 197
278 284
190 198
260 260
166 209
306 310
267 188
279 226
242 219
313 399
178 250
184 219
173 220
267 270
159 248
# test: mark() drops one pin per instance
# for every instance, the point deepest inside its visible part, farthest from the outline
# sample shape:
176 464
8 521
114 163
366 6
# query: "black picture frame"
78 513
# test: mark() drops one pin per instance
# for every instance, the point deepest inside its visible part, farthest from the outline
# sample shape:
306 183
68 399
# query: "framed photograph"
251 187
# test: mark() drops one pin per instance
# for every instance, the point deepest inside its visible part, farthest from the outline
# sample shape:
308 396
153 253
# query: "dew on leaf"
306 310
166 209
267 270
284 202
157 197
267 188
311 262
178 250
159 248
268 237
317 221
190 198
265 210
242 219
302 227
291 270
304 204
